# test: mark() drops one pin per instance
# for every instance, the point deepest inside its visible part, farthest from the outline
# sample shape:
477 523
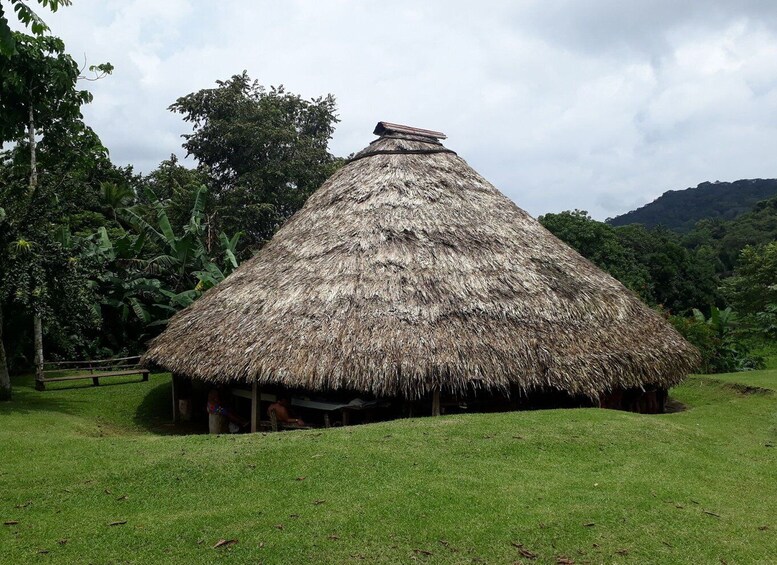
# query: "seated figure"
217 406
283 415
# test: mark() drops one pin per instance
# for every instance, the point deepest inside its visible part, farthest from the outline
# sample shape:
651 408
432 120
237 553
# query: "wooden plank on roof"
384 128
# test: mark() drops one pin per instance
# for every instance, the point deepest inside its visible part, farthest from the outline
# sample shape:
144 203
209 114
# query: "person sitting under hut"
282 410
217 406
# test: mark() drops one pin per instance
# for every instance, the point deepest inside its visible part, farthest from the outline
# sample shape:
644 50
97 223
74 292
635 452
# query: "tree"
26 16
150 272
681 279
41 104
599 243
752 291
264 152
178 187
5 378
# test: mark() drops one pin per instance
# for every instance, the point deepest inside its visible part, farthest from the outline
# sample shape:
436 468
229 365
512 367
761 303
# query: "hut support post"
436 401
255 405
176 412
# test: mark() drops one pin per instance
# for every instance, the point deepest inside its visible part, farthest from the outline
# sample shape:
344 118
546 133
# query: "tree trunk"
33 156
38 327
5 379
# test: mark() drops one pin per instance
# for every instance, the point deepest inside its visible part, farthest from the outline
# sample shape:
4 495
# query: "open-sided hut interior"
409 276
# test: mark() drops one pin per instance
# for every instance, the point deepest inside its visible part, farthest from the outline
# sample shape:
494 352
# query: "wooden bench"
94 369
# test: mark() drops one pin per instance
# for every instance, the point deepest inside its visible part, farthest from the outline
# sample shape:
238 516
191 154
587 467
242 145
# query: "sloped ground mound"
84 479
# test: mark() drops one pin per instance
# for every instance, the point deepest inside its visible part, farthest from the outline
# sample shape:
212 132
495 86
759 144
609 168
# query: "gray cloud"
594 105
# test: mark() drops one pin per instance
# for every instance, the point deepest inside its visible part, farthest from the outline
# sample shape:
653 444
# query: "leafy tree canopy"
38 83
264 152
26 16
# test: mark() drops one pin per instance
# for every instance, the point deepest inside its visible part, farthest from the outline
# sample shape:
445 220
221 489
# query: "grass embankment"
590 485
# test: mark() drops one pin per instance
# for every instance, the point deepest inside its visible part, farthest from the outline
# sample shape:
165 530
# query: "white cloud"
561 104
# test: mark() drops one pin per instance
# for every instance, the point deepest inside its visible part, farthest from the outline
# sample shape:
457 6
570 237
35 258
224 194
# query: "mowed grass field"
87 475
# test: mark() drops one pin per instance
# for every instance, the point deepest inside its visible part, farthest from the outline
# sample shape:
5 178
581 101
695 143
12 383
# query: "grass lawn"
698 486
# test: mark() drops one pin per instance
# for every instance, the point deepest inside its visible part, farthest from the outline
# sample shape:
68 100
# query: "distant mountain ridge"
679 210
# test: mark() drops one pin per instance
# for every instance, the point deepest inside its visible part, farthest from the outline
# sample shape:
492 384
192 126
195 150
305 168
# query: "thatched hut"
407 274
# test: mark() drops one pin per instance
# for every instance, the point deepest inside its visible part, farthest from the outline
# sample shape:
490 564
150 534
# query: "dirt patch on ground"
739 388
747 389
673 406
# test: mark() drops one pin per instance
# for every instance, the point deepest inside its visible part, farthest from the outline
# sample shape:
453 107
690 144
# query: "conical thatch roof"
408 270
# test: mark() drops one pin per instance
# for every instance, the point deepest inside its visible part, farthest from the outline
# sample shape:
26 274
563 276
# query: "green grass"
698 486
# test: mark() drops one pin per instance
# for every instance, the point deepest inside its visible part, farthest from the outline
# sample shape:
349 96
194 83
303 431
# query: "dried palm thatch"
408 271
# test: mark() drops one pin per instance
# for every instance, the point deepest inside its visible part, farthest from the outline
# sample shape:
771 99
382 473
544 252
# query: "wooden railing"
94 369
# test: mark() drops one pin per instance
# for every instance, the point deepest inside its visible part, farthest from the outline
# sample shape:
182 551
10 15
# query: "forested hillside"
679 210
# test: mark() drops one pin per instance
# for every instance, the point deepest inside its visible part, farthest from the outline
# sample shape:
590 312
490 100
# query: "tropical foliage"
717 284
130 250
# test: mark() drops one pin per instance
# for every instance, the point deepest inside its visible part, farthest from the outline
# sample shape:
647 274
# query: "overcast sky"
598 105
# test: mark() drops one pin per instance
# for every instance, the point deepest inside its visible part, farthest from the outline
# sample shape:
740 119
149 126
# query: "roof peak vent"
387 128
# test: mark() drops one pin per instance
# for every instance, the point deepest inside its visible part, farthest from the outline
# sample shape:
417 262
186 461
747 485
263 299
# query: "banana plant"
719 320
157 272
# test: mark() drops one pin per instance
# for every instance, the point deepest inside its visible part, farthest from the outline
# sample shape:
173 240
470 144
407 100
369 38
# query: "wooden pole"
255 404
176 412
436 401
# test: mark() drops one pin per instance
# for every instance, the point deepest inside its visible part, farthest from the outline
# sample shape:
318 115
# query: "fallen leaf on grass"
118 523
224 543
108 491
10 522
523 551
300 478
